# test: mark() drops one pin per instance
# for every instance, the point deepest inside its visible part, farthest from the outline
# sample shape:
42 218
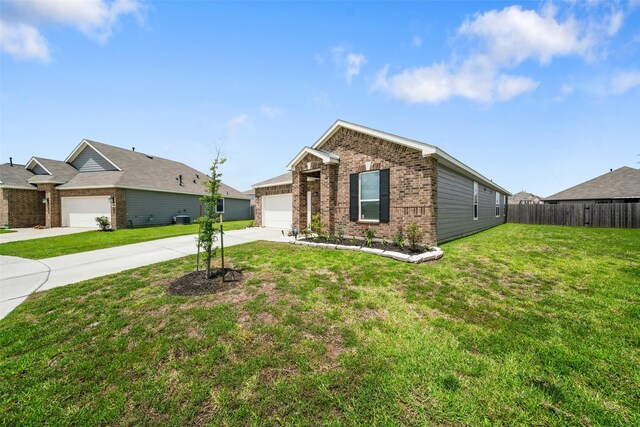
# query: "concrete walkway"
20 277
34 233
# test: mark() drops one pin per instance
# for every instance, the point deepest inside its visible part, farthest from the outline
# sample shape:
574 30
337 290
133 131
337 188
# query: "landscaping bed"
376 247
197 283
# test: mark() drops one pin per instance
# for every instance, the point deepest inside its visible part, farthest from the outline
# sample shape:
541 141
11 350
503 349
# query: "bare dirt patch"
196 282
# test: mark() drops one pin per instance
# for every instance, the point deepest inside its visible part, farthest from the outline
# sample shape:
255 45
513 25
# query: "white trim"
84 143
360 200
15 187
426 150
326 158
309 209
33 159
475 205
498 207
273 184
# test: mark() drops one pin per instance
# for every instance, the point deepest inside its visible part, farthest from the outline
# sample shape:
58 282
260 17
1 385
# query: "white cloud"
416 41
513 35
349 62
270 112
624 81
615 22
236 123
22 20
566 89
439 82
500 40
354 62
23 42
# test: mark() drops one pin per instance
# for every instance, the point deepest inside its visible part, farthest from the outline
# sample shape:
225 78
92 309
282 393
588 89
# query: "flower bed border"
434 254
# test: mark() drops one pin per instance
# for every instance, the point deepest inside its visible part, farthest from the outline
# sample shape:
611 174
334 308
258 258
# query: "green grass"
518 325
6 230
47 247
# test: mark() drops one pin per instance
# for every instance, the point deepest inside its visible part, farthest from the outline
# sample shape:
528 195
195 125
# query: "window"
369 196
497 204
220 206
475 200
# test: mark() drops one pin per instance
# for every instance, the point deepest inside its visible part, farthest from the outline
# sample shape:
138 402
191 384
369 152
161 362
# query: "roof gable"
426 150
87 144
327 157
36 167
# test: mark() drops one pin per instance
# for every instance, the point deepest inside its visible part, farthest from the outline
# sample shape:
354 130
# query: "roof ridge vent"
149 157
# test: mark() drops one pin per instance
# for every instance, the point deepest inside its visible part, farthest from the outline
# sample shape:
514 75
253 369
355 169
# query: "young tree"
207 236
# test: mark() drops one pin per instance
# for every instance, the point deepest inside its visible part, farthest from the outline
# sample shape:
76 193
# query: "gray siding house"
621 185
131 188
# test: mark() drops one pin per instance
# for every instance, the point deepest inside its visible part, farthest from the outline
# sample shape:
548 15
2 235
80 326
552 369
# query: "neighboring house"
524 198
617 186
358 177
251 194
132 189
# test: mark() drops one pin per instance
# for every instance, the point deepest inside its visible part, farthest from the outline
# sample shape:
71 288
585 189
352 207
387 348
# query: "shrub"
316 223
398 238
415 236
103 222
369 234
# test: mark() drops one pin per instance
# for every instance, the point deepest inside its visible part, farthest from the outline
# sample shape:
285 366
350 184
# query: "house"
131 188
617 186
524 198
360 177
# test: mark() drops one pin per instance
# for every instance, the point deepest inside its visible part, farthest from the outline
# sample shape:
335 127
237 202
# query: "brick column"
52 214
119 210
299 196
329 196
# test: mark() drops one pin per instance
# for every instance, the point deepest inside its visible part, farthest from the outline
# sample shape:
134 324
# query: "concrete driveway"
20 277
33 233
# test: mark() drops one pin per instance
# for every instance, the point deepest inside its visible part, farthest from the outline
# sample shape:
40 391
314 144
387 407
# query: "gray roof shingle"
285 178
15 176
144 171
618 184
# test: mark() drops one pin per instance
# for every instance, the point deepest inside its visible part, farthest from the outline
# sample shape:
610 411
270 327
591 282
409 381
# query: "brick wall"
413 183
118 212
267 191
21 208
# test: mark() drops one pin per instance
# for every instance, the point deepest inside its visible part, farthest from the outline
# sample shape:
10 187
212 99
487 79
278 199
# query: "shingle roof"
144 171
618 184
15 176
285 178
523 196
61 170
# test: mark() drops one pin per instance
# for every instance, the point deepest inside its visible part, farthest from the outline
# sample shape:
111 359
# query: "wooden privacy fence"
616 215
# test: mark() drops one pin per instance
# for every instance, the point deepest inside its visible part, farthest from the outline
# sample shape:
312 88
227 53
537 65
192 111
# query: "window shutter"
353 197
384 195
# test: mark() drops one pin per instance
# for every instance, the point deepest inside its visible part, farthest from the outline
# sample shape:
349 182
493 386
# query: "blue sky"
537 96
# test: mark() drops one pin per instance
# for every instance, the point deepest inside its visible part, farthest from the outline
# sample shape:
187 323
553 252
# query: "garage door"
82 211
276 211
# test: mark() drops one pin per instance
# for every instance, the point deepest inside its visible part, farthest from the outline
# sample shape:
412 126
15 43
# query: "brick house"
132 189
357 177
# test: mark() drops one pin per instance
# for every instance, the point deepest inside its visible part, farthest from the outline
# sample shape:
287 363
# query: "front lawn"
518 325
6 230
47 247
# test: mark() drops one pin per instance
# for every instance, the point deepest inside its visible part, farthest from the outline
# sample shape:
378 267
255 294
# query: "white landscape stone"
372 250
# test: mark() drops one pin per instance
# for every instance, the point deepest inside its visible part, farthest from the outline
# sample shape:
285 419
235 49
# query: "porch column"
329 196
299 196
52 214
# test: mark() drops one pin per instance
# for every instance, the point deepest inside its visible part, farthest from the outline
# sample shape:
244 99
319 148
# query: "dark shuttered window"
369 196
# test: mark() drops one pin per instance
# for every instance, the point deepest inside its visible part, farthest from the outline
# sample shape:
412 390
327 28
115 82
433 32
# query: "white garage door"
276 211
82 211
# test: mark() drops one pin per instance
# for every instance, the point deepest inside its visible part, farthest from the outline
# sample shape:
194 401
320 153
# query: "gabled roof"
137 170
327 157
622 183
426 150
59 172
283 179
